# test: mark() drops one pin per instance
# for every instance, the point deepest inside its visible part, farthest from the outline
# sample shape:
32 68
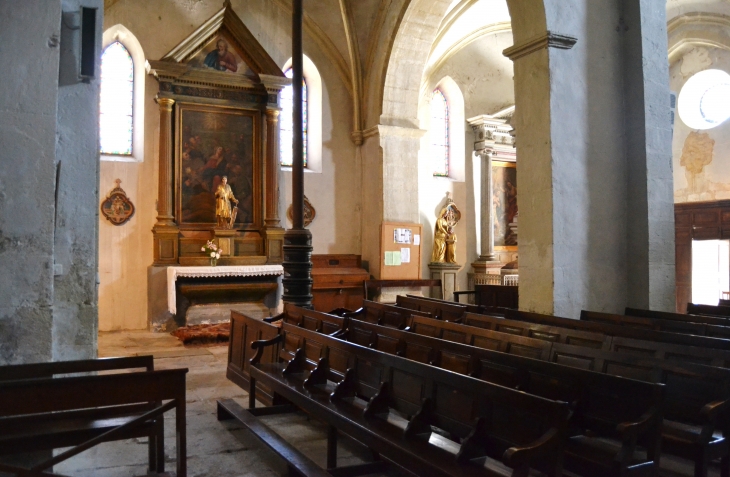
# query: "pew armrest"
354 314
710 412
516 457
260 345
631 430
274 318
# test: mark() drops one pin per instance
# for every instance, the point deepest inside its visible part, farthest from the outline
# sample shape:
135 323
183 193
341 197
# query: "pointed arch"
119 34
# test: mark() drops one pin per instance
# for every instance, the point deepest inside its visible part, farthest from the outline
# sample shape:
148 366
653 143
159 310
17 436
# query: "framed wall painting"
213 142
504 201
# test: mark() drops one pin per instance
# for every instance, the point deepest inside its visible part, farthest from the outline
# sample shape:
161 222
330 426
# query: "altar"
188 286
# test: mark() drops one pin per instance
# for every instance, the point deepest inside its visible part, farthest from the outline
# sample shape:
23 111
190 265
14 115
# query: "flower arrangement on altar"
213 251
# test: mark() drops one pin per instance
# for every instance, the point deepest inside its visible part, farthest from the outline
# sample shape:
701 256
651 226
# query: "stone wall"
700 173
48 187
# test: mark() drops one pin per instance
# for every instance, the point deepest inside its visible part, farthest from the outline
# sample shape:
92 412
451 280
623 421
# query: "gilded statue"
225 216
444 236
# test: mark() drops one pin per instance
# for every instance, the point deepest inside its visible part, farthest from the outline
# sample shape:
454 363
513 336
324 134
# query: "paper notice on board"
402 235
389 259
396 258
416 239
405 255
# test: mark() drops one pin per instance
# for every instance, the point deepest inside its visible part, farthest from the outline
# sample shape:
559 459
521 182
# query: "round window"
704 101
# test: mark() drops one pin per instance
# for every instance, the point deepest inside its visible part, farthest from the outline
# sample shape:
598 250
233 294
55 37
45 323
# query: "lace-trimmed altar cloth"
221 271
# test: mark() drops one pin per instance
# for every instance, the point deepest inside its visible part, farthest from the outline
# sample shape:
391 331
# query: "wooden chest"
338 282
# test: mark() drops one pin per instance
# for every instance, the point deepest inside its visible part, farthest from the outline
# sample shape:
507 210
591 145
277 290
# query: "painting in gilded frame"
504 200
214 142
220 55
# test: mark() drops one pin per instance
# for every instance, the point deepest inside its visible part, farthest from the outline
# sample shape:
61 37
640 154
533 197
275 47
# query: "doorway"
710 270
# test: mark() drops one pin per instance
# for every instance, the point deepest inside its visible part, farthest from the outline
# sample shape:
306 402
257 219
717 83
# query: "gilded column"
164 191
272 169
165 231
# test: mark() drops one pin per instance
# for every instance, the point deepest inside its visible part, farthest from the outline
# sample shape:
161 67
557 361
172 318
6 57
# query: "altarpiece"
218 98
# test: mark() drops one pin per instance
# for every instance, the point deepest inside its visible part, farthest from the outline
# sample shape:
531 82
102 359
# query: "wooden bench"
697 400
313 320
385 315
553 334
672 326
481 338
442 310
697 394
42 408
597 399
618 330
664 315
711 310
244 331
427 420
469 308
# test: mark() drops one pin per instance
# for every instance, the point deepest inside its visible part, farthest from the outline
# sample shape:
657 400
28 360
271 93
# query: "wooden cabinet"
338 282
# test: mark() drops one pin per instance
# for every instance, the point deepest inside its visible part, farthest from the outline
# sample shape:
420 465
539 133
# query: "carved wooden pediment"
222 52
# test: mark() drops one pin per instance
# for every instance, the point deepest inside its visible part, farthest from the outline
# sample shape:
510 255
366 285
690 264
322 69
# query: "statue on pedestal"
225 216
444 237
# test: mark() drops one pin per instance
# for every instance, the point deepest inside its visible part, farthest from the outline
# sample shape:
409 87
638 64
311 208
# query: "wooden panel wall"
696 221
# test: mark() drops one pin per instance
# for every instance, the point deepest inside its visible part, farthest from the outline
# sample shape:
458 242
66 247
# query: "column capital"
272 115
165 103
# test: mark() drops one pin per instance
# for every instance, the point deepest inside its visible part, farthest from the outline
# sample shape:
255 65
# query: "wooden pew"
617 330
711 310
553 334
480 337
313 320
697 394
442 310
696 420
597 398
244 331
664 315
42 408
367 394
672 326
385 315
469 308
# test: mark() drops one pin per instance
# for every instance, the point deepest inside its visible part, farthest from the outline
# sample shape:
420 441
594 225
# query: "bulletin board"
400 251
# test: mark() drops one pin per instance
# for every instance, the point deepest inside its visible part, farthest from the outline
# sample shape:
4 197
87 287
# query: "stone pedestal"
486 273
446 272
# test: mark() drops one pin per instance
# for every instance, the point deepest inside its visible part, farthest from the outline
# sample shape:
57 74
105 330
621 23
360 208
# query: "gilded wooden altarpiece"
218 98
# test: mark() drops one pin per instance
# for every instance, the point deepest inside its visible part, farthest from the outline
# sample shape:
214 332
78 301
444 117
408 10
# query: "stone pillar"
165 230
487 219
650 221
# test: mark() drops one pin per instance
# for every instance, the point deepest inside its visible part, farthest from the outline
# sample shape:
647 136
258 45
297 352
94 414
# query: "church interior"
165 172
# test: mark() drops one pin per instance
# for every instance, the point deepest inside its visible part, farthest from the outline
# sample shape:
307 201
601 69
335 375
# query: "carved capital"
272 115
546 40
357 137
165 103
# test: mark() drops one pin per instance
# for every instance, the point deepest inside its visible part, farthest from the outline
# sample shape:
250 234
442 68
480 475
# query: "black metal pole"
298 240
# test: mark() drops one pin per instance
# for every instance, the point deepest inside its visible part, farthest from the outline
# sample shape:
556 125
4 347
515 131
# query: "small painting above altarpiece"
218 105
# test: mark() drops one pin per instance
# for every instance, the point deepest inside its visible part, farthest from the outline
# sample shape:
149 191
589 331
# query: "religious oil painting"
220 55
214 143
504 200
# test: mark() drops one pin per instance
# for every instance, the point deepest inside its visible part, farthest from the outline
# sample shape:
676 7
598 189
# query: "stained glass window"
117 97
286 121
439 133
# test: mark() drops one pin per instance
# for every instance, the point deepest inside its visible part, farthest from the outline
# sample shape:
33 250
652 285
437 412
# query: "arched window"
121 102
440 134
312 103
287 123
116 106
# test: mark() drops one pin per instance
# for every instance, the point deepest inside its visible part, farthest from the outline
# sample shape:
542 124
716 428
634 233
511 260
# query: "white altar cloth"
222 271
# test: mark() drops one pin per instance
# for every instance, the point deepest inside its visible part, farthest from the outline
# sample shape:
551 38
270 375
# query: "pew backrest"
441 310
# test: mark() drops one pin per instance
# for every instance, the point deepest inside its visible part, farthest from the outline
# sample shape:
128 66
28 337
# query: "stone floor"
223 449
220 449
